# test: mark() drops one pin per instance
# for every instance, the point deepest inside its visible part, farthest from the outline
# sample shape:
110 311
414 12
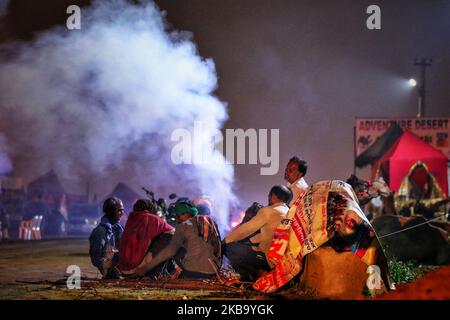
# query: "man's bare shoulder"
262 210
266 211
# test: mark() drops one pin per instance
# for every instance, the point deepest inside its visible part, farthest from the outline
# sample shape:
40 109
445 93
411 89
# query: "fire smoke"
100 103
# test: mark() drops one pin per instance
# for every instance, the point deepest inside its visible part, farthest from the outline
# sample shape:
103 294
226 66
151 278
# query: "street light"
413 84
423 63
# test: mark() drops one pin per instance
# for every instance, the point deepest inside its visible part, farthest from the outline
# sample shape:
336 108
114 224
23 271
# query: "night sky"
306 67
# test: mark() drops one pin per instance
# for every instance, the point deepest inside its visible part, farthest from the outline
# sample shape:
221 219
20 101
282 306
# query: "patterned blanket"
327 211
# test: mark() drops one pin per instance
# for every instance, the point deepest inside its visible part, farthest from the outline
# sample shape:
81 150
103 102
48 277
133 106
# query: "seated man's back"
272 216
249 257
140 231
198 251
195 244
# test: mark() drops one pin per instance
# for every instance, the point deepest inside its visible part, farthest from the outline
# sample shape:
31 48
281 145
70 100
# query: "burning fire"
236 222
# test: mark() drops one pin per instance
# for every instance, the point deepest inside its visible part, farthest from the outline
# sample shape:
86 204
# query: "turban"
184 207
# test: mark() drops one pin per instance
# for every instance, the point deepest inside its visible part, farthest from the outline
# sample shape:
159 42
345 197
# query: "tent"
409 150
49 186
383 143
126 194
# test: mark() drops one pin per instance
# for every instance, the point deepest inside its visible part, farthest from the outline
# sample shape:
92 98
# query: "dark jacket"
104 234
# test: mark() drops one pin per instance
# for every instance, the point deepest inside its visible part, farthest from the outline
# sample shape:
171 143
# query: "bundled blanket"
327 211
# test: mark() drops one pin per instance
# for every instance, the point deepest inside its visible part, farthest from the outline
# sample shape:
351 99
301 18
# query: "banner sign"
435 131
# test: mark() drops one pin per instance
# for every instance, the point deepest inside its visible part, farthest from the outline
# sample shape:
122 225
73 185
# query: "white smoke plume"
100 103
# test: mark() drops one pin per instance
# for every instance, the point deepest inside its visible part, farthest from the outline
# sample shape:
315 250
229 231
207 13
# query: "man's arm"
169 251
161 226
248 228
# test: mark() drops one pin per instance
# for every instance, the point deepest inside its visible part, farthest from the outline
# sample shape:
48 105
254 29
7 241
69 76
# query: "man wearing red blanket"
141 229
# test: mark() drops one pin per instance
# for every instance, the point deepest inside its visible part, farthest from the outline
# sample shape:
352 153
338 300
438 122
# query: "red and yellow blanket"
326 209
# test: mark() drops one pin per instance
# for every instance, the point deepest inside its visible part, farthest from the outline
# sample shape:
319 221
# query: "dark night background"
306 67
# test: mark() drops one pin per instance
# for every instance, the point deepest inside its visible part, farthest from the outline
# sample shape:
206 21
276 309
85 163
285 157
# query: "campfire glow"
236 221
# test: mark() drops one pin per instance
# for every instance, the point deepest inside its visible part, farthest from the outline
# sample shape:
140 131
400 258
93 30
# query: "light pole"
423 64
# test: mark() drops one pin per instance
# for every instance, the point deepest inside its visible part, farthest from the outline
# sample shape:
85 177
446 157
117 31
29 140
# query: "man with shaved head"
246 246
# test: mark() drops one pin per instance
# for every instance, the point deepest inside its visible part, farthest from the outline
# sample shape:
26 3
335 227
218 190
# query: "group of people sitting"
149 246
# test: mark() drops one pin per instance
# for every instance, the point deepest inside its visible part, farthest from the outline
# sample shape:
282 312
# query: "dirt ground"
433 286
37 270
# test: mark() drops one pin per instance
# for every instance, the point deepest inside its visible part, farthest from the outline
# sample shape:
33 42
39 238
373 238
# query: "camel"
427 244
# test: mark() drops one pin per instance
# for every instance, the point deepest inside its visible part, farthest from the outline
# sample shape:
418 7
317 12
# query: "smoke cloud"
99 104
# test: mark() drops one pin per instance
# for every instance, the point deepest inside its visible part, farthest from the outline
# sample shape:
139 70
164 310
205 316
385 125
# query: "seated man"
142 228
251 212
294 174
104 239
197 238
248 257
